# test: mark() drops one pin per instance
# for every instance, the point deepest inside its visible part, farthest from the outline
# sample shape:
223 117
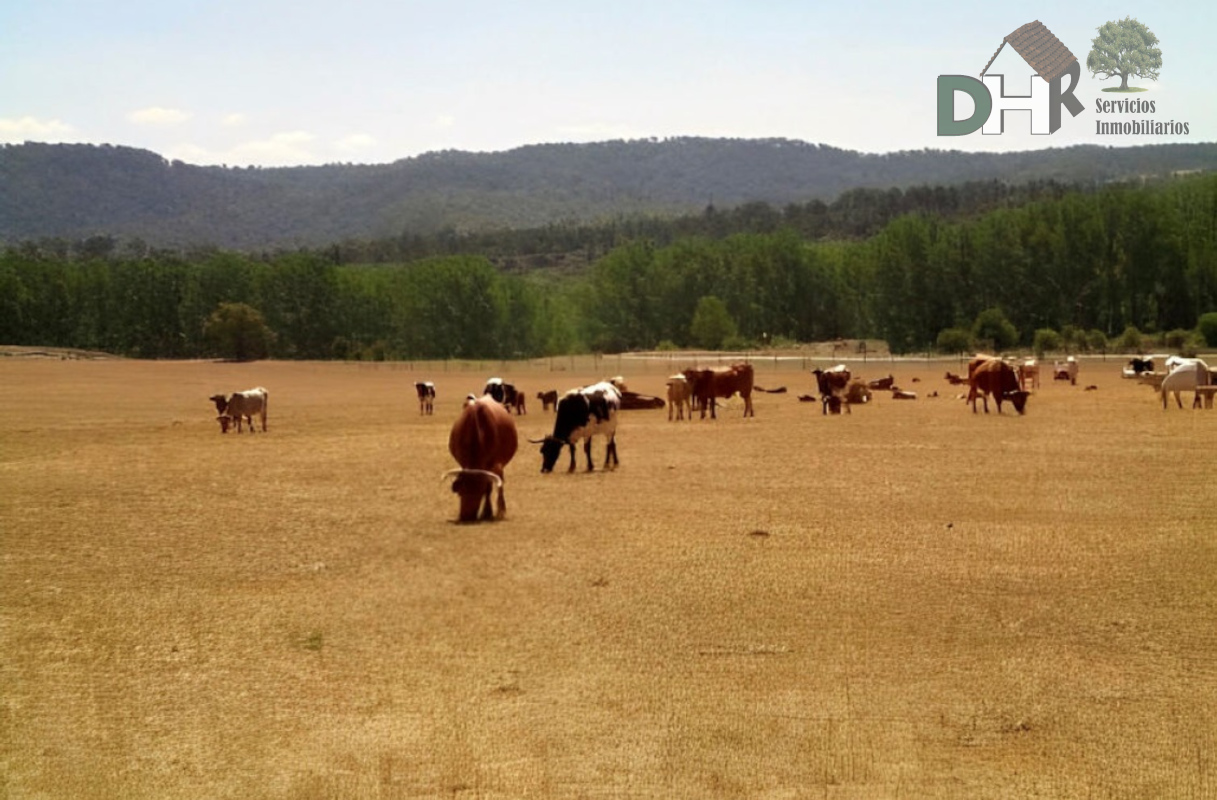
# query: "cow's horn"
498 482
536 441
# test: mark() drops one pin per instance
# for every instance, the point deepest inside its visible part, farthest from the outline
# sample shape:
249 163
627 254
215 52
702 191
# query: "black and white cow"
582 414
426 396
506 394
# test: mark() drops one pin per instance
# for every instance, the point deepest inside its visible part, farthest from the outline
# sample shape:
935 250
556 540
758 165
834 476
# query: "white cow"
1184 376
242 406
1066 370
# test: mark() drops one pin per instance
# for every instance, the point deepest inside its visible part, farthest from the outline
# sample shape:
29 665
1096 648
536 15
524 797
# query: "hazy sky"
272 82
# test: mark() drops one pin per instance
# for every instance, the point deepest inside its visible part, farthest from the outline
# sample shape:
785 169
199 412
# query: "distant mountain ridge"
73 191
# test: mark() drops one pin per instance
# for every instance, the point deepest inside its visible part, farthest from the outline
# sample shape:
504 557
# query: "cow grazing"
988 375
1066 370
832 383
583 414
1185 375
708 385
483 441
548 399
680 394
241 406
426 397
1029 374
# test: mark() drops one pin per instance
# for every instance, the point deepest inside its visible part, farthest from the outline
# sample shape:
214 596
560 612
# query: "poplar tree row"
1143 257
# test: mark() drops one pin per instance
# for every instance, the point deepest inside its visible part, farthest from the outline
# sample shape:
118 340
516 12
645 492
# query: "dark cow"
954 379
483 441
832 383
426 397
1139 365
882 384
707 385
988 375
506 394
548 399
582 414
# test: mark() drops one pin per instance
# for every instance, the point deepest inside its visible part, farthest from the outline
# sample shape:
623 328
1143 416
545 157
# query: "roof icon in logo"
1045 53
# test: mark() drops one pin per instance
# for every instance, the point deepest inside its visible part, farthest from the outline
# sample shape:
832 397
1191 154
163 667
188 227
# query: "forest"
1096 261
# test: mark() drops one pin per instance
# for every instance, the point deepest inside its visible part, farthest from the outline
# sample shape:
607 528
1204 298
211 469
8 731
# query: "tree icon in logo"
1124 47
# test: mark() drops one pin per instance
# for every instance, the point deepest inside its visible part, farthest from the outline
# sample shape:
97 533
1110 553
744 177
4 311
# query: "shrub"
1207 326
1131 341
992 325
1045 339
954 340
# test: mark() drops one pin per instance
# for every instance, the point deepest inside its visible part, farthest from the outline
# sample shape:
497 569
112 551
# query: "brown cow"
988 375
679 396
548 399
832 383
708 385
483 441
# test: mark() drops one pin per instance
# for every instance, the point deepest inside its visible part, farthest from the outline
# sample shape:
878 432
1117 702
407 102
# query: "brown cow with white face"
988 375
483 441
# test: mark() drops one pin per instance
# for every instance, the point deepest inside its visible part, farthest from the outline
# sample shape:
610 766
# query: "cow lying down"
241 406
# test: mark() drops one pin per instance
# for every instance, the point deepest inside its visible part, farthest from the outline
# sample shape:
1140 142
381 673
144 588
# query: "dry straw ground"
910 601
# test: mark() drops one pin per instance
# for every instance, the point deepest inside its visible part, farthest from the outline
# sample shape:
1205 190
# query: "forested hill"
75 191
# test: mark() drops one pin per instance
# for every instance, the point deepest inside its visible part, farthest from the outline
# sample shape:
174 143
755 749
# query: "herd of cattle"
484 438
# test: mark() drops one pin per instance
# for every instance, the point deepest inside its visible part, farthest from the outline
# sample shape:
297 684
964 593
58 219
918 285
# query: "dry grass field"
910 601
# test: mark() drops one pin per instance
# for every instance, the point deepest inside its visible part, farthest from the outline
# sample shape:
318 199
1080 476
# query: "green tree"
1045 339
1208 328
1131 340
238 331
954 340
712 323
1124 47
992 326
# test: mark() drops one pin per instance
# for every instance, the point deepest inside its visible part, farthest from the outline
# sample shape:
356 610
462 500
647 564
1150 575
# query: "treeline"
857 213
1104 260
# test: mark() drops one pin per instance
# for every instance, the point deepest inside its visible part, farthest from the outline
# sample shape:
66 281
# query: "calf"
1066 370
426 397
679 396
1029 374
241 406
548 399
